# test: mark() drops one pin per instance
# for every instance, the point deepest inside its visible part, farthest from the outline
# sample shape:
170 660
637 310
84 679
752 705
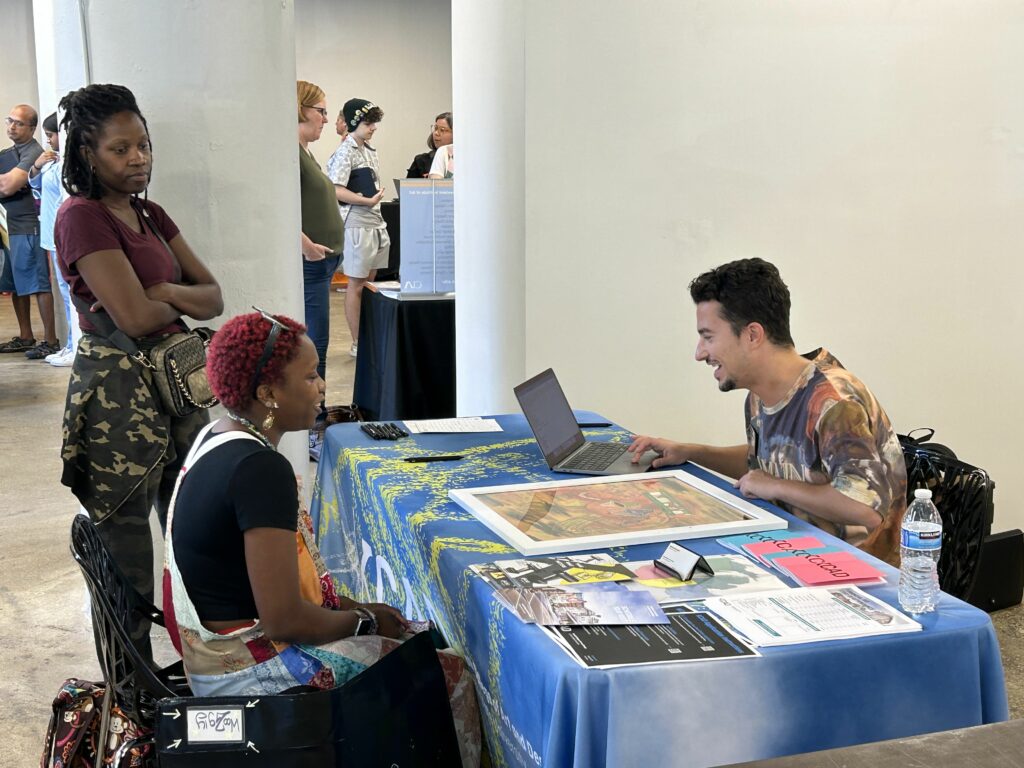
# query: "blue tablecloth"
388 532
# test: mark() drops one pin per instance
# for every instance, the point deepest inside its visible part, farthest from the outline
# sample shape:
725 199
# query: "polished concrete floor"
44 623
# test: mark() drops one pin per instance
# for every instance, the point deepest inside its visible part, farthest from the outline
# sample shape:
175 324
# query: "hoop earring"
268 422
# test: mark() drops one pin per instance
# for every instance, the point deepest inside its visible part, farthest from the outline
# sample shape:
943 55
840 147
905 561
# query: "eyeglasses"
440 129
268 348
321 110
15 123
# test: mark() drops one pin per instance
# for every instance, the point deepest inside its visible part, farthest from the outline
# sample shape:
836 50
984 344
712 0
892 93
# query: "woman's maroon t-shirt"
86 226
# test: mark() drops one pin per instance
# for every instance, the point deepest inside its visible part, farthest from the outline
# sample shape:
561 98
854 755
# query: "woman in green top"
323 235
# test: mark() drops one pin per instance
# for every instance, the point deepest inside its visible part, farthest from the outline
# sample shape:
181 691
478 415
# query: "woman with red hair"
247 615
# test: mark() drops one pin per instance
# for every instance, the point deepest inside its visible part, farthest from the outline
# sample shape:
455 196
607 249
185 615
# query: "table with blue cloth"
389 533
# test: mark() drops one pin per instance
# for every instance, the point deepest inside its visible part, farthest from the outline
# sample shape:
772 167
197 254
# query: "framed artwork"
615 511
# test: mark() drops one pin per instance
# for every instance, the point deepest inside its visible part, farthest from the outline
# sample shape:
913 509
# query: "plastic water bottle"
921 542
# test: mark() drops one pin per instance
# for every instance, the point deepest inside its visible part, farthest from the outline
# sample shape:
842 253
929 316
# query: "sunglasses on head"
268 348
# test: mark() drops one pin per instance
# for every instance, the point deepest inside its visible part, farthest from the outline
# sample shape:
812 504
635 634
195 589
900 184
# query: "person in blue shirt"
44 178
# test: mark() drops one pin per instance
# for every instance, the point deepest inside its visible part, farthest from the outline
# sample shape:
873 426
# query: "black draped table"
406 363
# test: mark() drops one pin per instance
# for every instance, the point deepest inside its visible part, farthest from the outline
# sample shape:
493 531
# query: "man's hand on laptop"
670 453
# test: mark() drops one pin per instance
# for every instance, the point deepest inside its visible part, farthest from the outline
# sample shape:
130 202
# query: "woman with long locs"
122 255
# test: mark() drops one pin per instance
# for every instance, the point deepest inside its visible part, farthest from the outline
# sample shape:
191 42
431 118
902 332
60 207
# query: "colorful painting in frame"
600 512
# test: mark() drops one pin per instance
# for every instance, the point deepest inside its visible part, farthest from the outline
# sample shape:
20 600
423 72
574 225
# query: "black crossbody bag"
177 361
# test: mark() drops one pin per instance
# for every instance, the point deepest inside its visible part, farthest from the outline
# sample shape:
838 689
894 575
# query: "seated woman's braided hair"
85 112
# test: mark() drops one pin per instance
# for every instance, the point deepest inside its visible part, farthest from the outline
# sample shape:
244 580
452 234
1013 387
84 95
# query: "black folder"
363 182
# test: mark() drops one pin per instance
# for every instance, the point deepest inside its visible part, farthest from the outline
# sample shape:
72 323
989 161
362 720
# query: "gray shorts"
365 251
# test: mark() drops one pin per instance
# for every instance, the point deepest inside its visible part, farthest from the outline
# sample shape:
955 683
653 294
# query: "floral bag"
73 736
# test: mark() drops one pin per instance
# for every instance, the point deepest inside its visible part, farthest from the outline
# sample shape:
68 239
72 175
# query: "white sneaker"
353 351
64 359
55 355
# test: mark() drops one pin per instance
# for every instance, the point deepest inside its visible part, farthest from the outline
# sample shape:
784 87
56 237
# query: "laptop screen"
551 419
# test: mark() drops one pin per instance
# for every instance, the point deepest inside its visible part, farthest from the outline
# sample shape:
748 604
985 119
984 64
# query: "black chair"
131 681
963 495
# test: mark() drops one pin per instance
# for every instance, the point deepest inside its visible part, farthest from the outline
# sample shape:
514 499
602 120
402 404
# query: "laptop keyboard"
595 457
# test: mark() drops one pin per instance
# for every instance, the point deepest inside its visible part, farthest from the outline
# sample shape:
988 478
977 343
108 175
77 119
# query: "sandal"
41 350
17 344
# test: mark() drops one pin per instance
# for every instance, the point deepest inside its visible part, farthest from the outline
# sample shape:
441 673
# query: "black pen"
584 424
418 459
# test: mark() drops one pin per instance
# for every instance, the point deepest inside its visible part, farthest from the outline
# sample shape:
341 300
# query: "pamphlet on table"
805 559
809 614
571 589
389 288
689 636
452 426
604 603
565 569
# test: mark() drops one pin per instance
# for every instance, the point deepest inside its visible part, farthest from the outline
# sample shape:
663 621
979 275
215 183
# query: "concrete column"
17 57
45 38
45 70
488 42
216 82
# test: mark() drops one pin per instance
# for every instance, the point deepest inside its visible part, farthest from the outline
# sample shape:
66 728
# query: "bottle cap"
922 493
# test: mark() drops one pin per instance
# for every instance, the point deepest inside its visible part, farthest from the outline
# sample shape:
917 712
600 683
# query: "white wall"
18 84
396 53
874 151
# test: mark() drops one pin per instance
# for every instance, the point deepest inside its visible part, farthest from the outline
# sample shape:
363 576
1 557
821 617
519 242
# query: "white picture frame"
498 506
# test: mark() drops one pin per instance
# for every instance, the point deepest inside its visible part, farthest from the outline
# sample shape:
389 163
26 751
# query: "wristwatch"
367 624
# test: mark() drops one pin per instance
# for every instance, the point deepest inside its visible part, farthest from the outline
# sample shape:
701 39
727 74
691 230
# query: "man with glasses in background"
26 271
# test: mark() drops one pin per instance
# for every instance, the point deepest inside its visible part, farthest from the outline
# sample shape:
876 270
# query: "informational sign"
428 236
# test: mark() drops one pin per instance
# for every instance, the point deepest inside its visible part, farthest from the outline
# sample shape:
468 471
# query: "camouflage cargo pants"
121 455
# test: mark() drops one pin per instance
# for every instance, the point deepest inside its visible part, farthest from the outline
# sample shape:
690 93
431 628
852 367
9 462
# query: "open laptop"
559 436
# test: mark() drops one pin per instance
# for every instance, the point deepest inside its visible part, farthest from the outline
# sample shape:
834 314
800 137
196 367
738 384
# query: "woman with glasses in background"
440 136
323 237
249 603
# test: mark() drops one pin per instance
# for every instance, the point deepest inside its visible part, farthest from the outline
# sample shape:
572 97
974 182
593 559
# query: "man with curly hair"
818 442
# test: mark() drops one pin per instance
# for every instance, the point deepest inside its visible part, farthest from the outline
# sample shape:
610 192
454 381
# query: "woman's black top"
235 487
420 165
